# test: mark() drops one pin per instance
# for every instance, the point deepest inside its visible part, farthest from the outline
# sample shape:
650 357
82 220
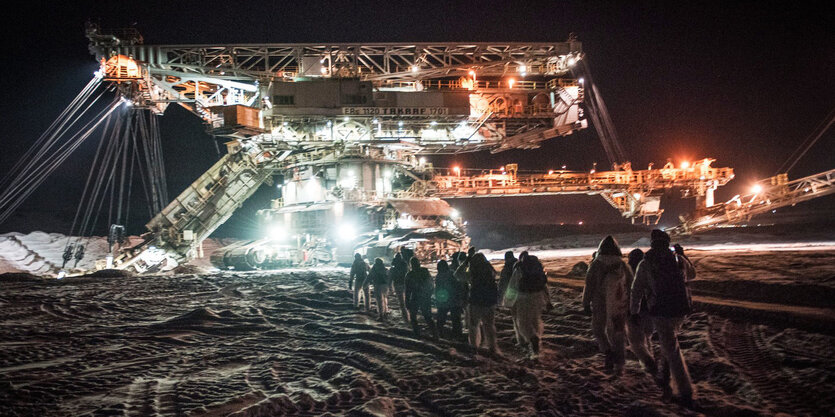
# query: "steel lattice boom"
434 97
635 193
767 195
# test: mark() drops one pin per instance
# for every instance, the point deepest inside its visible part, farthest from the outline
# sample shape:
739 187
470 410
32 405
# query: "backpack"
533 276
671 298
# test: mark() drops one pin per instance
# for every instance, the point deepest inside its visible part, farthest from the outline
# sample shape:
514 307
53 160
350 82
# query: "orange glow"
467 83
121 66
685 165
757 188
510 82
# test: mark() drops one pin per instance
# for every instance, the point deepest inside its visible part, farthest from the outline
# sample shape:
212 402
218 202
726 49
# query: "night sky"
744 84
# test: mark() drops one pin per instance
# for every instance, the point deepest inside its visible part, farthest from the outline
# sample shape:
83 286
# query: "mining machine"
348 127
765 196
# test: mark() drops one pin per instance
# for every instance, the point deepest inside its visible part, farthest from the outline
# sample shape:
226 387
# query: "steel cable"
27 156
12 198
807 144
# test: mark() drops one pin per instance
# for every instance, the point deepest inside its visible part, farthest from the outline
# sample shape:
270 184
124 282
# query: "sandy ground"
289 342
41 253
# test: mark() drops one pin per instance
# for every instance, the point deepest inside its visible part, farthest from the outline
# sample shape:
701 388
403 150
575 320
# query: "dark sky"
744 83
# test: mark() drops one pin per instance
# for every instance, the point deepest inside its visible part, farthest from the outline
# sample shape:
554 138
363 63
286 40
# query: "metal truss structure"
518 92
634 193
767 195
371 61
290 107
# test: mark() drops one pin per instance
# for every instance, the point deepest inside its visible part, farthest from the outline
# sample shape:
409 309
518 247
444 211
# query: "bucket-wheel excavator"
348 128
345 131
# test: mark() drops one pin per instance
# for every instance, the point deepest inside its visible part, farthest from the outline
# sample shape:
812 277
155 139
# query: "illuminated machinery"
315 114
636 194
765 196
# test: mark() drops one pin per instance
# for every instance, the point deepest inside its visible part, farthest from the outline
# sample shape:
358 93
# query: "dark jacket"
533 277
359 272
378 275
418 288
483 289
661 281
635 257
449 292
397 273
504 276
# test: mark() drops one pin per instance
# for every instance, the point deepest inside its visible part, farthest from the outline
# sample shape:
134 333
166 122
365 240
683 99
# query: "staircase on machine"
201 208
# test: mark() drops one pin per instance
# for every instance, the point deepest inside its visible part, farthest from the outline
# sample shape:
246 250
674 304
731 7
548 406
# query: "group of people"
464 289
632 300
627 300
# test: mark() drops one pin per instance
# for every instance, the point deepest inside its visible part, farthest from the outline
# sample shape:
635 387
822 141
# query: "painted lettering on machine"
395 111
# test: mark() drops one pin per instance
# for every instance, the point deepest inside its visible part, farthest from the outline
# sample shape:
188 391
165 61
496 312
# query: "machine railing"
467 84
632 192
767 195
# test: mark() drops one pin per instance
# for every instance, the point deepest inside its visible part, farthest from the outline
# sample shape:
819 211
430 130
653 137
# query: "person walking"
660 280
529 283
379 278
483 294
639 327
634 258
419 296
505 274
397 278
358 281
454 263
449 297
606 297
460 273
684 264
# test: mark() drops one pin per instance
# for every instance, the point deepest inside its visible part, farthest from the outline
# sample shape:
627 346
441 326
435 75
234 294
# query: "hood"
660 245
608 259
635 257
609 246
660 236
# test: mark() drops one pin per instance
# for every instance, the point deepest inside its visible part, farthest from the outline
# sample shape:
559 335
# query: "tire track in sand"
737 341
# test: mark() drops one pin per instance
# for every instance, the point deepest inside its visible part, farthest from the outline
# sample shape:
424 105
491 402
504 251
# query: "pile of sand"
41 253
